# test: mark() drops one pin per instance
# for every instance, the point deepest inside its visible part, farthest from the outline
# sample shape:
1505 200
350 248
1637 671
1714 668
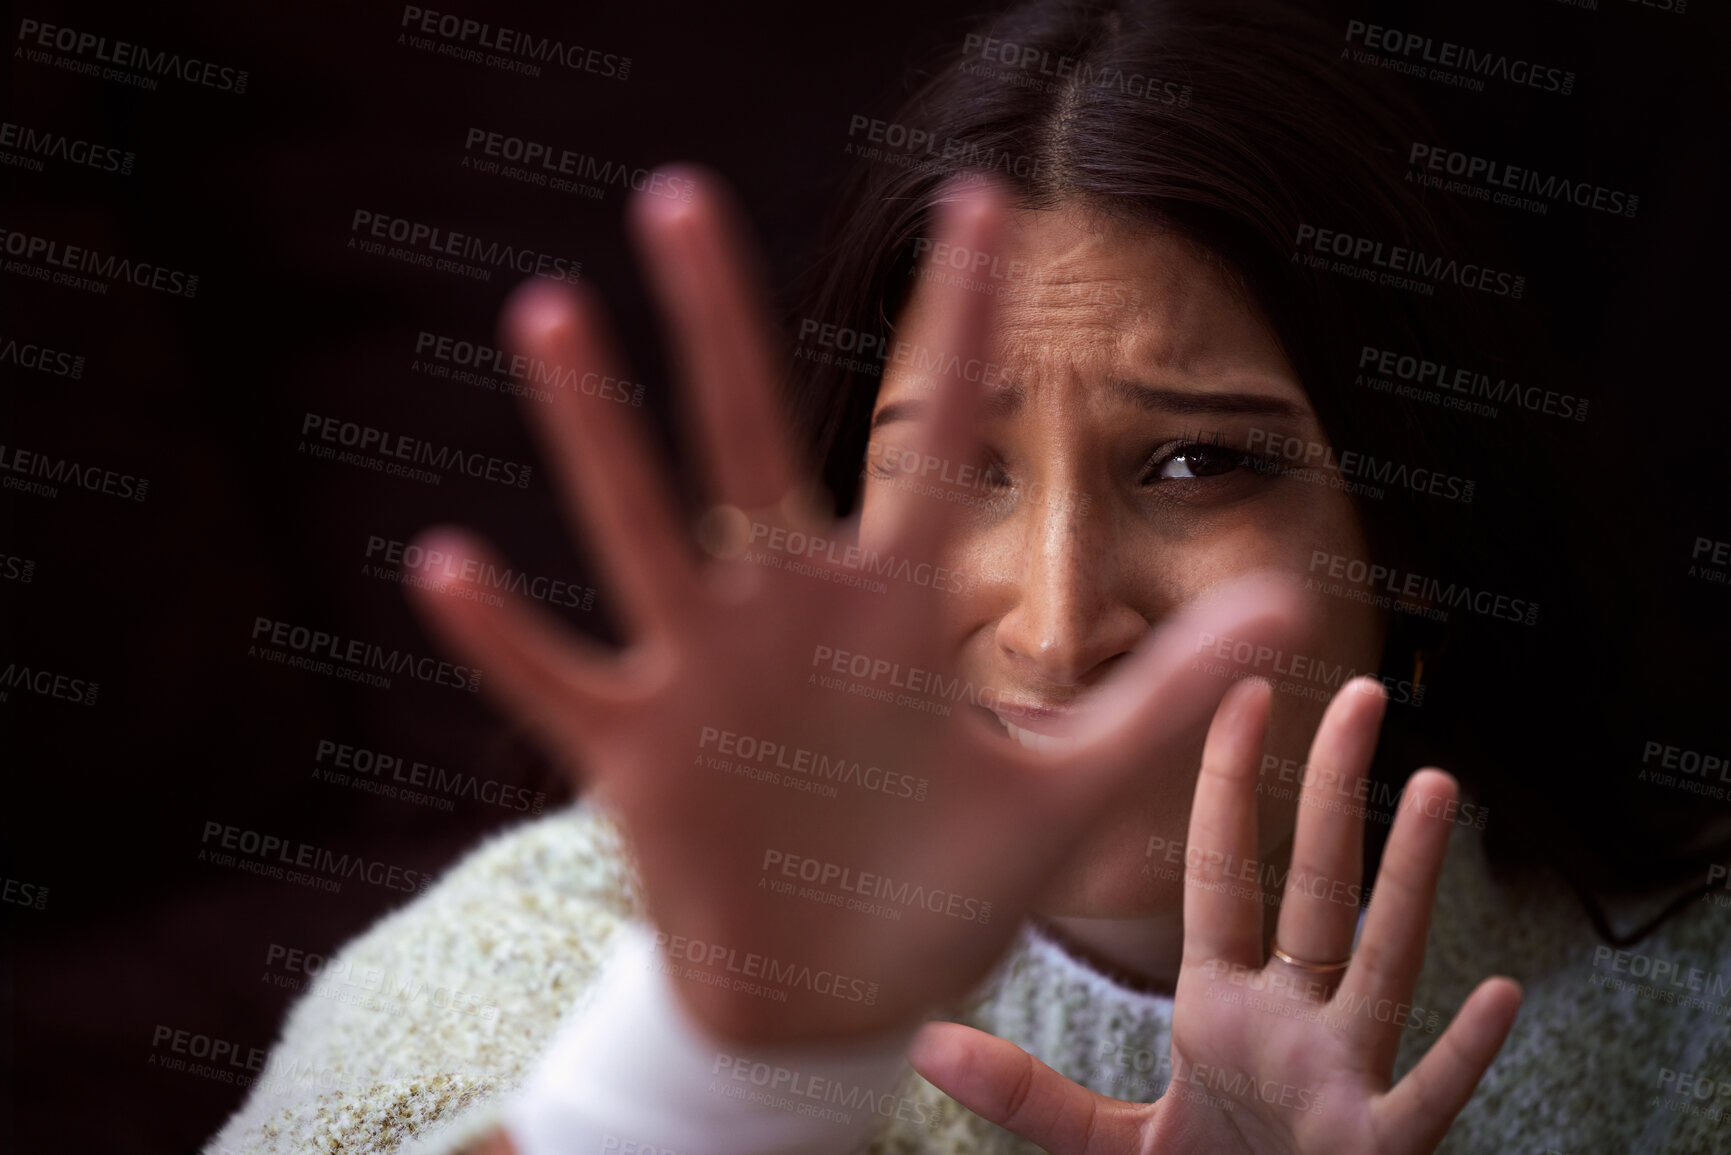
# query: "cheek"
1344 634
1344 640
873 514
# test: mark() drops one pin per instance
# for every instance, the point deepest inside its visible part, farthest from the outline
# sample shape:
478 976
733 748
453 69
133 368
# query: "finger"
946 354
1391 948
603 461
1319 912
1223 913
1425 1103
1155 705
553 681
698 256
1003 1084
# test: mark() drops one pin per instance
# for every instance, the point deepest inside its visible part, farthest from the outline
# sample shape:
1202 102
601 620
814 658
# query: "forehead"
1081 293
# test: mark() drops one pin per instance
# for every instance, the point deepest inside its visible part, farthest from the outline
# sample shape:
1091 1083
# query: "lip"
1038 718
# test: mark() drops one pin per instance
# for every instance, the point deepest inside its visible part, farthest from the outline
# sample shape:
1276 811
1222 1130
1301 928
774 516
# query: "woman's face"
1130 380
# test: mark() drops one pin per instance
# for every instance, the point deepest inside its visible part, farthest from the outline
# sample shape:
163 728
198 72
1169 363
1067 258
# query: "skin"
727 642
1115 536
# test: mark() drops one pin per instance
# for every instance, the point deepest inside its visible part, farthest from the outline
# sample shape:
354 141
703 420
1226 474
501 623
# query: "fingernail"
536 309
439 555
672 192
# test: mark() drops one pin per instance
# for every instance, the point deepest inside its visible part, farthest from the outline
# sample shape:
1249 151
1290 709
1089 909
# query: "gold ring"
1315 968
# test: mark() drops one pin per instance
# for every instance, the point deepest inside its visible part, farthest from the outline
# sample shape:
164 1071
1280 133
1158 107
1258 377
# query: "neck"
1147 953
1140 953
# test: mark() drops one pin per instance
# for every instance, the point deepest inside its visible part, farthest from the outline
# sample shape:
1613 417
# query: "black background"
155 601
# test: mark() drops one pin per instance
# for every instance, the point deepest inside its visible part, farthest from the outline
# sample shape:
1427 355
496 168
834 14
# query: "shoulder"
518 925
1604 1033
446 1002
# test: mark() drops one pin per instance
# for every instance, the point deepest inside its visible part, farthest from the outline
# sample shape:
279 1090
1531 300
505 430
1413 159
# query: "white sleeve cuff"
631 1074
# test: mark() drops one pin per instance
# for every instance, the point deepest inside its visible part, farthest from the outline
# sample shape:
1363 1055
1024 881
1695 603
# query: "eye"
1194 460
887 463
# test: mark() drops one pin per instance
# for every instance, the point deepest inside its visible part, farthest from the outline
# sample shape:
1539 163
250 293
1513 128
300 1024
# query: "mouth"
1035 727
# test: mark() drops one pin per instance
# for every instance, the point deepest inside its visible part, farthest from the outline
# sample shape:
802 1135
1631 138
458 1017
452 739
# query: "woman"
948 761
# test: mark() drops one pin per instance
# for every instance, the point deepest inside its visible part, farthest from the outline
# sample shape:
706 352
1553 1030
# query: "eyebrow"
1188 401
1005 401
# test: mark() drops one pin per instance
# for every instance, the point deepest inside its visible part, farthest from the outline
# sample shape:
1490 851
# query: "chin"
1117 885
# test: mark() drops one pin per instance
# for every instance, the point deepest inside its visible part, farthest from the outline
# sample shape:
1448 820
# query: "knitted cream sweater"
411 1040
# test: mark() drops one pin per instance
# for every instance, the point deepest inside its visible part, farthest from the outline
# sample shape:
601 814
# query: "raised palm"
729 653
1268 1056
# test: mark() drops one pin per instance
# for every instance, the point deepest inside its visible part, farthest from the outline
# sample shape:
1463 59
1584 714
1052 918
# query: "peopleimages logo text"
1408 261
124 54
510 42
1446 54
36 142
294 853
402 447
433 239
109 267
368 655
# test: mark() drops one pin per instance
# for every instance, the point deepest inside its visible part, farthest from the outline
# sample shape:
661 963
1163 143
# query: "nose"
1072 614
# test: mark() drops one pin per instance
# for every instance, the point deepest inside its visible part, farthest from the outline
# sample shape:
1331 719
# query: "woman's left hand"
1268 1056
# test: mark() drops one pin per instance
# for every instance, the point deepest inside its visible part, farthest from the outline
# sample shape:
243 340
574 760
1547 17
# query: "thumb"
1002 1083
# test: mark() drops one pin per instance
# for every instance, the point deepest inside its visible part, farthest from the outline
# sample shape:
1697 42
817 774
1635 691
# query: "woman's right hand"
1272 1055
727 655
